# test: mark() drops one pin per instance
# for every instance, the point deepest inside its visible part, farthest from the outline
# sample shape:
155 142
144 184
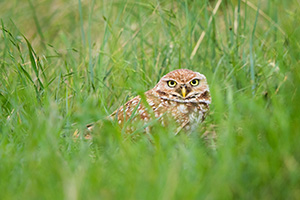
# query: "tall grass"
65 64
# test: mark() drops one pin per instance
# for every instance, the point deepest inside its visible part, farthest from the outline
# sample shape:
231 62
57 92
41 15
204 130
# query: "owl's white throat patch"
183 108
183 100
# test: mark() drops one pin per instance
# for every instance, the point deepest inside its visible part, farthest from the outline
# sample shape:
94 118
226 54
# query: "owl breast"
185 114
189 115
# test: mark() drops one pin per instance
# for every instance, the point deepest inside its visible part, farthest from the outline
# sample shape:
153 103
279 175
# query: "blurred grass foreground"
64 64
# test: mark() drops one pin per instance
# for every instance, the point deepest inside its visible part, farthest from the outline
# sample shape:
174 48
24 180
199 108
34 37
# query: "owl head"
183 85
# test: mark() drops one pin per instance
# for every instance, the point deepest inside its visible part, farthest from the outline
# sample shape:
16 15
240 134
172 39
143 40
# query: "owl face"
183 85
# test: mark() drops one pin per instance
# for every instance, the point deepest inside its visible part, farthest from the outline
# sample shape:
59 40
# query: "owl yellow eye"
195 82
172 83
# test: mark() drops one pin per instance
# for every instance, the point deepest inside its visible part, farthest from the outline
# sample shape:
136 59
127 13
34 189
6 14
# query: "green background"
64 64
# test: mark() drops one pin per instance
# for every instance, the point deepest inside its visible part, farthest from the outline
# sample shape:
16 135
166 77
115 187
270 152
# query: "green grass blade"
252 57
33 62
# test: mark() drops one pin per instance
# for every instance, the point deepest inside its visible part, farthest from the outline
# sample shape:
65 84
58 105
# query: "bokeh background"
64 64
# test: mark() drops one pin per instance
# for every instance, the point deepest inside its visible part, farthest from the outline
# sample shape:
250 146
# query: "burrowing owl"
182 96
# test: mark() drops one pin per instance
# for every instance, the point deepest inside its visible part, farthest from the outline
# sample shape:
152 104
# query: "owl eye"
172 83
195 82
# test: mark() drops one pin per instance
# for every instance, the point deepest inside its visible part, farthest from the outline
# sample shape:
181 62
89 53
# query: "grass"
65 64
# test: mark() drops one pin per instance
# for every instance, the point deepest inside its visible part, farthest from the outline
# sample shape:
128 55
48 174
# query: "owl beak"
183 92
